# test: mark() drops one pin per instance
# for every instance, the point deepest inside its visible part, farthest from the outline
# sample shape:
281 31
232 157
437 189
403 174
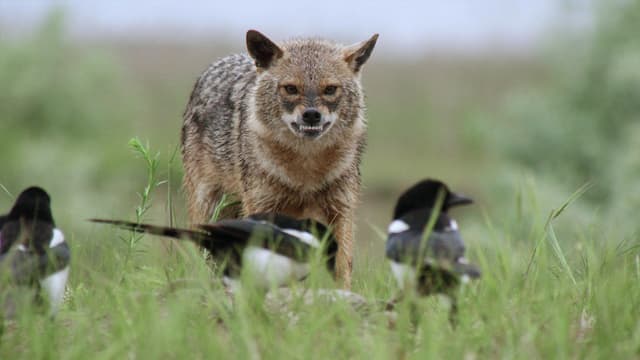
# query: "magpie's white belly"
55 285
268 269
403 273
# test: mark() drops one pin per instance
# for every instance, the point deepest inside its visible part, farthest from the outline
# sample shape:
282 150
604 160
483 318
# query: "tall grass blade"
558 252
225 201
379 233
7 192
170 206
551 234
435 212
638 266
576 194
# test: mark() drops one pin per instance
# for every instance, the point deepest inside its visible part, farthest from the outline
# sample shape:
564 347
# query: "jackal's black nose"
311 116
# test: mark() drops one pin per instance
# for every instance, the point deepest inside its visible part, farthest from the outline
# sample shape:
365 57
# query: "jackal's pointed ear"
262 50
358 54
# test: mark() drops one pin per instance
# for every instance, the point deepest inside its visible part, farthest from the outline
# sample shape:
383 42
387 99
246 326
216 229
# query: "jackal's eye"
291 89
330 90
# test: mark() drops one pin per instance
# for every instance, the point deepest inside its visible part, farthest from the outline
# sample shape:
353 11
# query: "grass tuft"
151 162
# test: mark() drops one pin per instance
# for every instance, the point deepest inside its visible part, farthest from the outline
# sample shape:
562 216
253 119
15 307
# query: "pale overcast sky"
403 25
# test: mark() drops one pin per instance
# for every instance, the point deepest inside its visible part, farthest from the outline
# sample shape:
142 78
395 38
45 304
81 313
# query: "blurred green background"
490 122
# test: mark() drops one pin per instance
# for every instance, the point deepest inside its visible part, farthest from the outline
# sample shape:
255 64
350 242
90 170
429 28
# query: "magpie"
437 266
33 252
276 249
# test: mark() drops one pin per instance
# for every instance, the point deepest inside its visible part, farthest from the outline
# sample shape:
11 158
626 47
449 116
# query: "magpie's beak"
458 199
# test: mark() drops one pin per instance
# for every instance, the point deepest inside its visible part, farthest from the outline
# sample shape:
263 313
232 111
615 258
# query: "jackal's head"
308 87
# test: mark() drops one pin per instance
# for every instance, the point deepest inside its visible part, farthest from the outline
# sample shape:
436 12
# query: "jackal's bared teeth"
314 128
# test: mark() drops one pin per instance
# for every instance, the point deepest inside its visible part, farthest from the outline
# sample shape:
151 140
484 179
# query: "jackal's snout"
311 123
311 116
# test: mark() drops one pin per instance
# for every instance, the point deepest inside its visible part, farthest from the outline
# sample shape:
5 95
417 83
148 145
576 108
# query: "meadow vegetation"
546 144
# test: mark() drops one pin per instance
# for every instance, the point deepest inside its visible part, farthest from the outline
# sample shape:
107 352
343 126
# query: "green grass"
561 294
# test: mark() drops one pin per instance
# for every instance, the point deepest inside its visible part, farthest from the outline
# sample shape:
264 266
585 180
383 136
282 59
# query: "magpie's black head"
425 194
32 204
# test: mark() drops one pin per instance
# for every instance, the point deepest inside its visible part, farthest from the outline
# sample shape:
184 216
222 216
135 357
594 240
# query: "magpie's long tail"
155 230
211 237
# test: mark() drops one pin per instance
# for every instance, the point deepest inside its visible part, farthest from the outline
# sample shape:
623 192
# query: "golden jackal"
284 130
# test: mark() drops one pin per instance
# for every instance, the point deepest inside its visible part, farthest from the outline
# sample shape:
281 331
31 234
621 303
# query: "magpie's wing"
307 229
2 245
447 249
446 245
26 267
20 267
9 231
262 234
404 247
287 222
3 219
444 241
55 259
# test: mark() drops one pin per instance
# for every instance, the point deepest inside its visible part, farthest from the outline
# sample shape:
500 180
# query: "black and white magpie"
276 249
33 252
437 266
